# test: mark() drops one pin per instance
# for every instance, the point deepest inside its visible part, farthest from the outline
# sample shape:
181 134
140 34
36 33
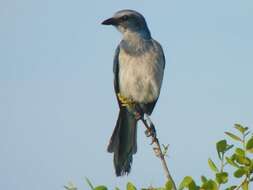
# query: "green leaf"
242 160
130 186
241 128
240 152
187 182
229 147
89 183
203 179
233 136
221 147
231 187
239 173
222 177
70 186
246 134
210 185
165 149
212 166
101 187
249 144
168 185
232 162
67 187
116 188
250 150
245 185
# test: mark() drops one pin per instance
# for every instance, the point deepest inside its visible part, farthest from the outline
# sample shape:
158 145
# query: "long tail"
123 142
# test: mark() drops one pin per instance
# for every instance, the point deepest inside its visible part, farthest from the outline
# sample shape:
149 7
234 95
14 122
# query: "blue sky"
58 107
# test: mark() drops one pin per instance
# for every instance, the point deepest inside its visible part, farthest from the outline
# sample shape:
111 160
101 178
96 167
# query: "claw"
153 140
130 104
157 151
151 132
147 133
125 102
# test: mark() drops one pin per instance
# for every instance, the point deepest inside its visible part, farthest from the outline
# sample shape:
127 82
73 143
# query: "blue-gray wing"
149 107
160 50
116 72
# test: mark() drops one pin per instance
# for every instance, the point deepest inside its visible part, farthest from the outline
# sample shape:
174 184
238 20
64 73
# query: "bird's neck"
136 42
130 35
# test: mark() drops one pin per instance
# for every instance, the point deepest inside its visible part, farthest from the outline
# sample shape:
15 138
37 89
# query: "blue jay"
138 73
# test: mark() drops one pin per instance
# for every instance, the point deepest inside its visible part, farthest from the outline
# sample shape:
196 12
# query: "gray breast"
140 76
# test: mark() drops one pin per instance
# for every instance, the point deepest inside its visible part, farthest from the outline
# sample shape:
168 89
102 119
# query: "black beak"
110 21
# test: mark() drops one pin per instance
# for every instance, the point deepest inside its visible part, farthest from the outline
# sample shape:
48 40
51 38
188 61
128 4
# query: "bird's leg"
131 106
137 115
137 112
151 129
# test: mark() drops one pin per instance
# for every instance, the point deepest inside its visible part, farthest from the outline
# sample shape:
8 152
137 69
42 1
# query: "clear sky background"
57 104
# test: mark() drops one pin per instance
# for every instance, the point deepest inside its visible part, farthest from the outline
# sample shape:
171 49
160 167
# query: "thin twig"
157 149
244 181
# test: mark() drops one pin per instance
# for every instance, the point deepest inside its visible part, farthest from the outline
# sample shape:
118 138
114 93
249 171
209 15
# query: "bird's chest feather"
140 77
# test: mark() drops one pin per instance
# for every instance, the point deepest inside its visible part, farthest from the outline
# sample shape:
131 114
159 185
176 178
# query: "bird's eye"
124 18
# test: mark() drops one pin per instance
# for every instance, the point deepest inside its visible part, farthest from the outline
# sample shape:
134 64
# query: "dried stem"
157 149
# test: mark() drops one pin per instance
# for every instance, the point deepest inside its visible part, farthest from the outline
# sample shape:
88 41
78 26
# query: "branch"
157 148
243 182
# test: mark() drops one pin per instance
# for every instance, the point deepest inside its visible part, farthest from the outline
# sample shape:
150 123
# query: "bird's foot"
151 131
131 105
125 102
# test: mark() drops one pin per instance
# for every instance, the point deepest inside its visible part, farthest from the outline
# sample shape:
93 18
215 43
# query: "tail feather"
123 142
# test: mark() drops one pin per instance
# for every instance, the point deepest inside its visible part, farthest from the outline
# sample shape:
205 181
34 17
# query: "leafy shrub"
236 156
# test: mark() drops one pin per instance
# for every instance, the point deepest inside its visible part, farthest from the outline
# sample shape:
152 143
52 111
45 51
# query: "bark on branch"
151 131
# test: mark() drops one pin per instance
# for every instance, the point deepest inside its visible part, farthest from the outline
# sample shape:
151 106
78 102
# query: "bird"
138 68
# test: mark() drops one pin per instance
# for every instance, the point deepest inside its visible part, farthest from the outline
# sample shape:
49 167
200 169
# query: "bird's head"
129 21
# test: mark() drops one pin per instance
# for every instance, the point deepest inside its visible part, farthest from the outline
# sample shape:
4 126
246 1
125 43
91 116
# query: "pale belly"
140 77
